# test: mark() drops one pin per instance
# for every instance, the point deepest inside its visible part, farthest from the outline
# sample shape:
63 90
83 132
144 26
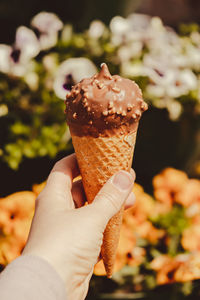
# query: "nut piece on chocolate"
101 104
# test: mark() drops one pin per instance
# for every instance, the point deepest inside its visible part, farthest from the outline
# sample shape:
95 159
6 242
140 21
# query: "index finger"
57 192
63 173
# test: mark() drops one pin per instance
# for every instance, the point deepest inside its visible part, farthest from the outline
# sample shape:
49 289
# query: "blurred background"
45 48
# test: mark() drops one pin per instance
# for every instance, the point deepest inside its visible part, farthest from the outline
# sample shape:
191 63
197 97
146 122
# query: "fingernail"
123 180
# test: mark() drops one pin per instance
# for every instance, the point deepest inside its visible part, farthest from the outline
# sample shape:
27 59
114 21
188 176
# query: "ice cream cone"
103 114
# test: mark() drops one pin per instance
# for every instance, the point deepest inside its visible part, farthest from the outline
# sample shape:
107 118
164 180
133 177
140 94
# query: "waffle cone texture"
98 159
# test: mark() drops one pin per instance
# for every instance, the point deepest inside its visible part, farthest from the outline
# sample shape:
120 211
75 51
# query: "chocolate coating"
103 103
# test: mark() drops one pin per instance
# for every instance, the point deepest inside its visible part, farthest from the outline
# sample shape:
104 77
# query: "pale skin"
68 234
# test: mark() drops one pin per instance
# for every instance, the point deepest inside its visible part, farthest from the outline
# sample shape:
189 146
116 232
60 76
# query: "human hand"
70 239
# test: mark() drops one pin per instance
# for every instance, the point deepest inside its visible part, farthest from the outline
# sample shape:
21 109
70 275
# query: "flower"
129 69
129 51
136 256
139 22
96 29
5 52
16 209
143 206
47 26
167 184
70 72
16 60
10 248
181 268
26 45
174 109
189 268
189 194
16 212
165 266
171 81
119 27
191 238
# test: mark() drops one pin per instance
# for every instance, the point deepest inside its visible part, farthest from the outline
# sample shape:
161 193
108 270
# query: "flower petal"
78 68
5 52
47 22
27 42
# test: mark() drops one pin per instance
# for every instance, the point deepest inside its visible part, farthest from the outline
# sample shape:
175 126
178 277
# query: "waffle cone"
98 159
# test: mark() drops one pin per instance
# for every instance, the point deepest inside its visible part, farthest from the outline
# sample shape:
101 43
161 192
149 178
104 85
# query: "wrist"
76 287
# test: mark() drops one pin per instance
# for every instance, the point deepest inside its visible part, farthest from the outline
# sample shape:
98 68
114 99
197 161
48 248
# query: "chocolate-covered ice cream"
99 105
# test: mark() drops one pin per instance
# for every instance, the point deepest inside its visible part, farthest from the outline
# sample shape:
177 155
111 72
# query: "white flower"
5 52
124 53
48 40
119 27
16 60
27 43
47 25
193 57
131 50
129 69
46 22
171 82
96 29
139 22
174 109
156 91
22 69
188 79
157 24
70 72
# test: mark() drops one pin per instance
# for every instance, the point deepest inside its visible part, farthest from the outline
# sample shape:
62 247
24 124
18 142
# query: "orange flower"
189 268
161 208
168 183
143 206
165 267
170 179
136 256
14 209
189 194
191 238
164 196
158 262
147 231
182 268
10 248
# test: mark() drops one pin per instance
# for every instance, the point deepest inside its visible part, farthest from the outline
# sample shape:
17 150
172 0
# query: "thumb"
112 196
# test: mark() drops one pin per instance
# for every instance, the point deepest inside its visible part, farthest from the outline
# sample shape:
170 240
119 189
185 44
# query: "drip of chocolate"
100 105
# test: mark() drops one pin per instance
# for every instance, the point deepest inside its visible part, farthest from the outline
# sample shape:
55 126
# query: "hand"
70 239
